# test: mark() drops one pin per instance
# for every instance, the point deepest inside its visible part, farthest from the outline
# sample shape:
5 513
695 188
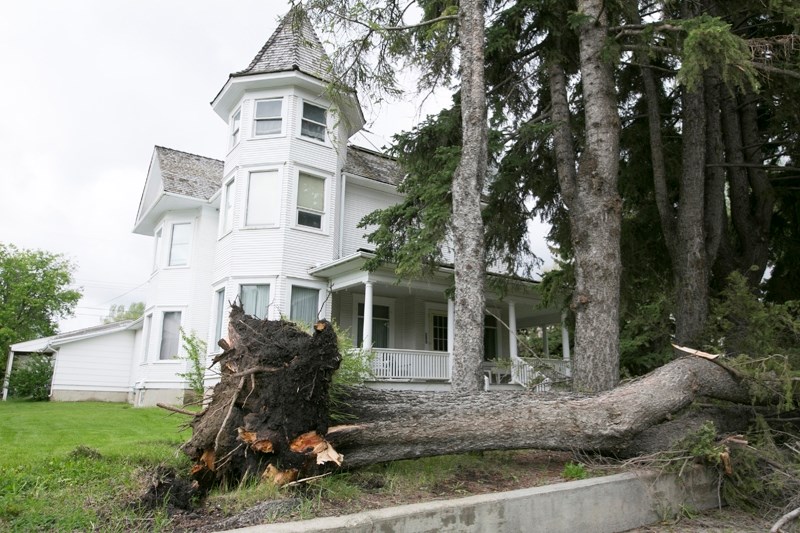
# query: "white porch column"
512 330
564 337
366 340
545 343
8 374
451 326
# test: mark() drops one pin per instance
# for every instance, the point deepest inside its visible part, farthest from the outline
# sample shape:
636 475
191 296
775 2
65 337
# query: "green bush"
32 378
195 349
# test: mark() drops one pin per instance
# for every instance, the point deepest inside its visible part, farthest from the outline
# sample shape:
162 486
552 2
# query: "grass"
79 466
74 466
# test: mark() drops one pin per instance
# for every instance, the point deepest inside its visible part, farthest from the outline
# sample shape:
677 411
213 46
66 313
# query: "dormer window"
268 117
314 122
235 127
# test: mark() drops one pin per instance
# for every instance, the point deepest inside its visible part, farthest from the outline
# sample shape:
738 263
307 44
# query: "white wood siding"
101 363
360 201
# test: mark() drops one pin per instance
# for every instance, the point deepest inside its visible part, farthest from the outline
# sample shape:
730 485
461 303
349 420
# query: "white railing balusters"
395 363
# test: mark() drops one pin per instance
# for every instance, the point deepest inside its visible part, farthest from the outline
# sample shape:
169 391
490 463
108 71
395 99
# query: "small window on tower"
235 127
268 117
310 201
314 122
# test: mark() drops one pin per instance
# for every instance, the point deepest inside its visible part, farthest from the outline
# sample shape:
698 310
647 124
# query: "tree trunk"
268 417
596 215
690 265
467 222
392 425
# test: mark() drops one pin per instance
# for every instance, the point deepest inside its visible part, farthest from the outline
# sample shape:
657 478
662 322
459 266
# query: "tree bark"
596 214
690 265
392 425
467 222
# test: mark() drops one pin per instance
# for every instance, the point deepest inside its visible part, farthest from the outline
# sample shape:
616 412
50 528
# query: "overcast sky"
88 88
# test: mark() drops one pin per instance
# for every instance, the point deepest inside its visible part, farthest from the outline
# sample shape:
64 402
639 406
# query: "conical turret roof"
293 46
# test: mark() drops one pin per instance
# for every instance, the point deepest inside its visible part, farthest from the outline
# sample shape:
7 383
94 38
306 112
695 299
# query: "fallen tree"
269 415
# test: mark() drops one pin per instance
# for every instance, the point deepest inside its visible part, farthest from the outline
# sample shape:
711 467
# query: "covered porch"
408 328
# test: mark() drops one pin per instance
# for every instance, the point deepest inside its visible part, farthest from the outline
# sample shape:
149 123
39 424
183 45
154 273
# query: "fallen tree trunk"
269 413
395 425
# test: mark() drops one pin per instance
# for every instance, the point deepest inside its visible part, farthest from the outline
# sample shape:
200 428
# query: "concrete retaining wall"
600 505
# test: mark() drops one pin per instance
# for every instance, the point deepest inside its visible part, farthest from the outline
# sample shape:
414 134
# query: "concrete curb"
600 505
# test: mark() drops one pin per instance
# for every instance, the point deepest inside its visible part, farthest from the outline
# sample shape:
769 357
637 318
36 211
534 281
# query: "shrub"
32 378
195 349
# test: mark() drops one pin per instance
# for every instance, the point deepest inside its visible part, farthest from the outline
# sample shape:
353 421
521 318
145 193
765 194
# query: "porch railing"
539 374
393 363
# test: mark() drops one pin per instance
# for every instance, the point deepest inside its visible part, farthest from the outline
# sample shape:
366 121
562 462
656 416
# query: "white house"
274 225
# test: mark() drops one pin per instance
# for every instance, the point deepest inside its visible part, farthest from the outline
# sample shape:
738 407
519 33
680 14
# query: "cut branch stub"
269 412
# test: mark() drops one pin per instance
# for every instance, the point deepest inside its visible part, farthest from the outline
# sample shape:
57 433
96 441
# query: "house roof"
293 46
372 165
189 174
49 343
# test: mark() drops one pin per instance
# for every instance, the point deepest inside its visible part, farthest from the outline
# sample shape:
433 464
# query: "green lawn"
73 466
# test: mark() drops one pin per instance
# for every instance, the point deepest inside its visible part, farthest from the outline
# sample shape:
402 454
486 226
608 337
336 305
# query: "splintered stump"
269 413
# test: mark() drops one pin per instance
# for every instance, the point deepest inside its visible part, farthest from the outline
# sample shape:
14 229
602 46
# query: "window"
170 333
157 251
439 333
179 245
236 122
255 299
268 117
314 122
263 199
227 215
305 302
489 337
220 302
380 326
310 201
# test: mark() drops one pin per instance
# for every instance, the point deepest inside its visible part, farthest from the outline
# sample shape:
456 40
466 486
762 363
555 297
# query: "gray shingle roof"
189 174
372 165
293 46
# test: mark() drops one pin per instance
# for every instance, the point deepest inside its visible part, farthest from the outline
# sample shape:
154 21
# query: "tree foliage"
708 153
118 313
36 290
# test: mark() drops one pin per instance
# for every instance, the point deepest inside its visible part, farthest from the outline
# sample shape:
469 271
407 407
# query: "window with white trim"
255 299
304 305
268 118
439 332
314 122
219 298
380 326
170 335
227 210
236 123
310 200
263 199
179 246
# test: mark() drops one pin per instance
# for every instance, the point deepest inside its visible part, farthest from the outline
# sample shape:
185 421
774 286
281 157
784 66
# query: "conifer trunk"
467 223
595 214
